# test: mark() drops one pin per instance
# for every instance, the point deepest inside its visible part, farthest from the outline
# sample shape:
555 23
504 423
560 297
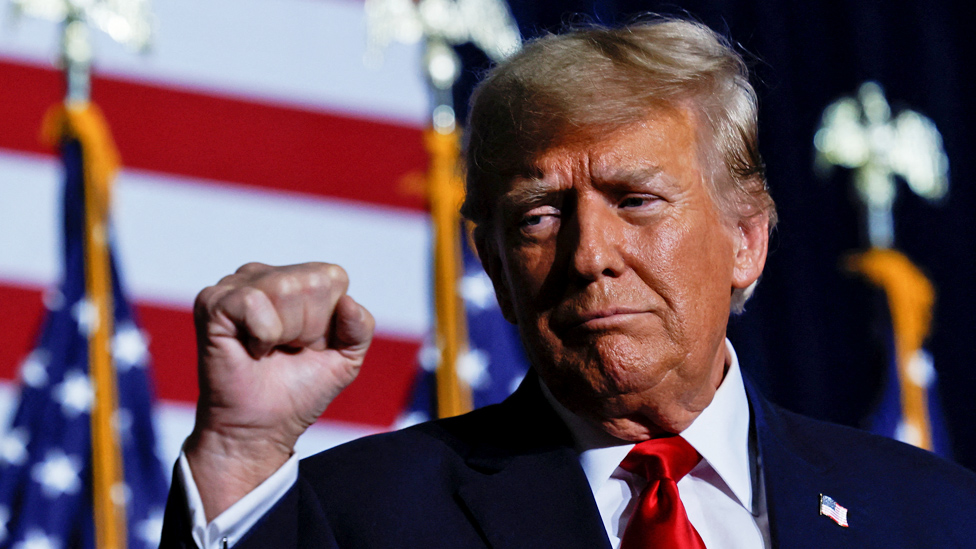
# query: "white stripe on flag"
297 52
177 235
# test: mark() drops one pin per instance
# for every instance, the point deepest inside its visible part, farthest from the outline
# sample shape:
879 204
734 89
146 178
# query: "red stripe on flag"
376 398
21 314
233 140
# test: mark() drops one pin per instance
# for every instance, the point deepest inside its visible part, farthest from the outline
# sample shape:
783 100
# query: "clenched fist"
276 345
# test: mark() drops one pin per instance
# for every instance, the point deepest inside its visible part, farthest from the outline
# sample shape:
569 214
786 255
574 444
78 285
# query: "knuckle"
204 301
250 296
284 285
336 274
253 267
205 295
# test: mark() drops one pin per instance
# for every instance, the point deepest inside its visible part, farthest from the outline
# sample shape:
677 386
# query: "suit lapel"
796 473
526 487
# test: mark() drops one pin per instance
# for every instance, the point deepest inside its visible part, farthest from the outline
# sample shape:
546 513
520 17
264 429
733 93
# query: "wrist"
226 466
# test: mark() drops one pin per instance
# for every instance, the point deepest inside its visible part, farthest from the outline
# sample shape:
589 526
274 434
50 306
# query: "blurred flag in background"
46 456
908 406
495 362
262 138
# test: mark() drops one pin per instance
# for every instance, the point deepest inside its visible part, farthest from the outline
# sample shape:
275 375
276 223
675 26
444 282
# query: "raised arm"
276 345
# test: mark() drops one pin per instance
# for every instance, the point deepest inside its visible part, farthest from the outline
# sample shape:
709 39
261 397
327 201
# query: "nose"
597 246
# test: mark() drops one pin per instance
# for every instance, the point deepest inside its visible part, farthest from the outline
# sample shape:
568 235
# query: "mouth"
598 320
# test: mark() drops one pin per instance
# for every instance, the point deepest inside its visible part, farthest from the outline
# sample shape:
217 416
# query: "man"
621 213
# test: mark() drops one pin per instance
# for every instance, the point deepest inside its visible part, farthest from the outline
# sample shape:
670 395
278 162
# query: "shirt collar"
720 434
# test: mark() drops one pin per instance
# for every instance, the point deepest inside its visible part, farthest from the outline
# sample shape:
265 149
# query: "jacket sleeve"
296 521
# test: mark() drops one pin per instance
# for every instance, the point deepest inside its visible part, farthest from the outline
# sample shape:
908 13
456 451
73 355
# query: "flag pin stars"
833 510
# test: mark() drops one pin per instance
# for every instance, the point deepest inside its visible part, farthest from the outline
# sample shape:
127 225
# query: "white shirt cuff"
234 523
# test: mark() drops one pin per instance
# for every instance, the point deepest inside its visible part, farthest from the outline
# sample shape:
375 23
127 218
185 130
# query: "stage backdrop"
254 131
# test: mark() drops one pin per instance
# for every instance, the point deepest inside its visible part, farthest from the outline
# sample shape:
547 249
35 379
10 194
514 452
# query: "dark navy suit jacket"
507 476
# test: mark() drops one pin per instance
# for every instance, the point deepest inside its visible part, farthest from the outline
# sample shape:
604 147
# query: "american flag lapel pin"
833 510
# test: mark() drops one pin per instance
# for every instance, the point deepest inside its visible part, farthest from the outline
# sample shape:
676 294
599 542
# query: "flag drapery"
49 457
494 363
908 408
475 358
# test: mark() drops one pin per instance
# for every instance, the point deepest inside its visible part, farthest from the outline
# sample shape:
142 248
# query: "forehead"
663 145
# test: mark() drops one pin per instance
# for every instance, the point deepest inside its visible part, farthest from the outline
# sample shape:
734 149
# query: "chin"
631 365
610 372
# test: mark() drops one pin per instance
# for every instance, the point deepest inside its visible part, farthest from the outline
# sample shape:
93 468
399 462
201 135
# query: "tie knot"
659 458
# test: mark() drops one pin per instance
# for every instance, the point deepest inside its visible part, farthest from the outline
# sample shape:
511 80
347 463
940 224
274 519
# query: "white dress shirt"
722 495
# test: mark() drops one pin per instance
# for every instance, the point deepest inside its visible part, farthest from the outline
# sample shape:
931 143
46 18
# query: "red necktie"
660 519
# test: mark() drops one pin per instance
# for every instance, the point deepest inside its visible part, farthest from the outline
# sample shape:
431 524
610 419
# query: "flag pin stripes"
833 510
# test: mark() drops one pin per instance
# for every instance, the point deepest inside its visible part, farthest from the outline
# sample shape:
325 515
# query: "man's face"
618 269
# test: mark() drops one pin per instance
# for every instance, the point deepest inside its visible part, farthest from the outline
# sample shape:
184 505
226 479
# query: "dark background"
814 338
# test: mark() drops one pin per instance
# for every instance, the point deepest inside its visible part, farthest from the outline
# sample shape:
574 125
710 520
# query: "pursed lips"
593 320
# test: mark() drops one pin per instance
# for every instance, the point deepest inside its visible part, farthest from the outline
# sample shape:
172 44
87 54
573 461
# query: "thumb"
352 328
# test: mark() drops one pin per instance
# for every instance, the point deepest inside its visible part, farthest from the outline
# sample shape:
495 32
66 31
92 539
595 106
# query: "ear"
485 242
752 243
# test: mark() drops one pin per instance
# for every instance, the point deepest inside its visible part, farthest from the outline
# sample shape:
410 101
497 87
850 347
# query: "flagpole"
108 488
440 24
446 192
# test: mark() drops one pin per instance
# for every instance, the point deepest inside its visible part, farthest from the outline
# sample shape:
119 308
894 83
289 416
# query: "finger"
253 268
286 289
305 296
328 283
352 328
258 323
204 304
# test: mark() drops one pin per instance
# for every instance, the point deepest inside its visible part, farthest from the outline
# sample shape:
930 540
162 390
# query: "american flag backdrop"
252 132
46 497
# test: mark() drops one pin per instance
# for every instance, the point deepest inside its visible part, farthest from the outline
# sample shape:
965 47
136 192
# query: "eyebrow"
529 191
532 190
625 174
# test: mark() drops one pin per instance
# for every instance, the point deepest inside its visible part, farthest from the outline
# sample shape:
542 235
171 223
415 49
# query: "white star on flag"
129 347
4 519
151 529
58 474
921 369
13 446
473 368
120 493
86 315
477 290
36 539
122 421
515 382
75 394
34 369
429 356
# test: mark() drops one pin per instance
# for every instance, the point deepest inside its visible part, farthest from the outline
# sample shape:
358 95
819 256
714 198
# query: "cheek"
689 262
528 269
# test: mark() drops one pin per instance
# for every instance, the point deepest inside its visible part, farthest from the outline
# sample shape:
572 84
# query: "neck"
660 411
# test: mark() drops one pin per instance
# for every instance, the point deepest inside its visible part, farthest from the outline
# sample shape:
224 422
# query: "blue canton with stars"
495 363
45 455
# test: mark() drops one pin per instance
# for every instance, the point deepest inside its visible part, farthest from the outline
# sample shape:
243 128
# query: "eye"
636 201
538 220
